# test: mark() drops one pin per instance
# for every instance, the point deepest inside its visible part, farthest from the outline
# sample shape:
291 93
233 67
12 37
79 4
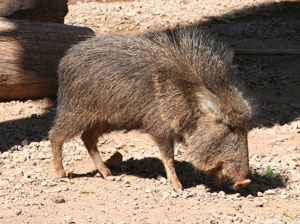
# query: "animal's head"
219 144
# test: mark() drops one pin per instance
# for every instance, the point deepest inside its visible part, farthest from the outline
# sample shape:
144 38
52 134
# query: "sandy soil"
140 193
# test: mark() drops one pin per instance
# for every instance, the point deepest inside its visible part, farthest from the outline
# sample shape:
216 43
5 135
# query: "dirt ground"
140 193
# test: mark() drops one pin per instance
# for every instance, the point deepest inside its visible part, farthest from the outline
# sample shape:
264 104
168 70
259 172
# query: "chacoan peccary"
176 85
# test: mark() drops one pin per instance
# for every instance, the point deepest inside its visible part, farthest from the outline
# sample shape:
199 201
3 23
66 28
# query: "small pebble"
260 194
18 211
58 199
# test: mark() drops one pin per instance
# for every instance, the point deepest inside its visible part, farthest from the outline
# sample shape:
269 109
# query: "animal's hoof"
61 174
177 187
105 172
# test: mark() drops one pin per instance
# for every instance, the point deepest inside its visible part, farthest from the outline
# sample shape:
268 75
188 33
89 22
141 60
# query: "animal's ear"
208 102
208 106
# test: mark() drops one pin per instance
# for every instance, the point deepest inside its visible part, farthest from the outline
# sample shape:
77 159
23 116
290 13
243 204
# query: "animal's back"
112 77
106 78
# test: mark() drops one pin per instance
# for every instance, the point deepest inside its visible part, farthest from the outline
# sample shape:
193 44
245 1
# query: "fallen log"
267 52
35 10
30 52
29 55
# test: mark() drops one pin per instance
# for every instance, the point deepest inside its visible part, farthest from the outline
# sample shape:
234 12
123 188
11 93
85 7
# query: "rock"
136 187
68 219
166 195
135 205
77 158
292 149
64 188
110 178
186 195
163 180
44 183
292 164
5 155
221 194
41 156
259 194
57 189
119 178
29 174
174 194
250 197
120 146
58 199
18 211
270 192
131 145
259 203
4 184
126 183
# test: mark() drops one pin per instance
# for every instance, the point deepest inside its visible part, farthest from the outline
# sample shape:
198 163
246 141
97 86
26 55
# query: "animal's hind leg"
90 138
62 131
57 158
58 135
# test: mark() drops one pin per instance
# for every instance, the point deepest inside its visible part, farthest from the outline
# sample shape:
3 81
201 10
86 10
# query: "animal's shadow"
152 168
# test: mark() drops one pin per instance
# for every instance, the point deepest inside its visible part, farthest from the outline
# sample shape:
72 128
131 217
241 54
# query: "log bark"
30 52
29 56
267 52
35 10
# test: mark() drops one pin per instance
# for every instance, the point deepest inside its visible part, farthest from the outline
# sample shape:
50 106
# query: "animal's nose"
241 184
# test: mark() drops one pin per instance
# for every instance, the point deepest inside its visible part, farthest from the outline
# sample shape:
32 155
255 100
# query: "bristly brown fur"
174 84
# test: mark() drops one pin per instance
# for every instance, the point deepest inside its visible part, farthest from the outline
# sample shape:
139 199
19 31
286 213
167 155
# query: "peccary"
176 85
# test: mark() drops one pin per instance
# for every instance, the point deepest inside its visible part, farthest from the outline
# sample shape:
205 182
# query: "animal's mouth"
239 183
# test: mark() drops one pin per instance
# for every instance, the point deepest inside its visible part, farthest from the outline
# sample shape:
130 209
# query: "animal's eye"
231 128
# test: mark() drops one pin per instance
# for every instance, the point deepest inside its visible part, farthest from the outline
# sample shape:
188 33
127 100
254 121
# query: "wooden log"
29 56
267 52
35 10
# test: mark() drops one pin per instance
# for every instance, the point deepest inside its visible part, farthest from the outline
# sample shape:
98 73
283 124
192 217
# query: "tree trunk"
29 56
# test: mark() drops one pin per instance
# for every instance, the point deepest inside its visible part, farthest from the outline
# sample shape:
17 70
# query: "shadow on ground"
24 131
152 168
273 81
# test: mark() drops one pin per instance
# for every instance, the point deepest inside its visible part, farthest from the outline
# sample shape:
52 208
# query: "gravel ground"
142 16
140 193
